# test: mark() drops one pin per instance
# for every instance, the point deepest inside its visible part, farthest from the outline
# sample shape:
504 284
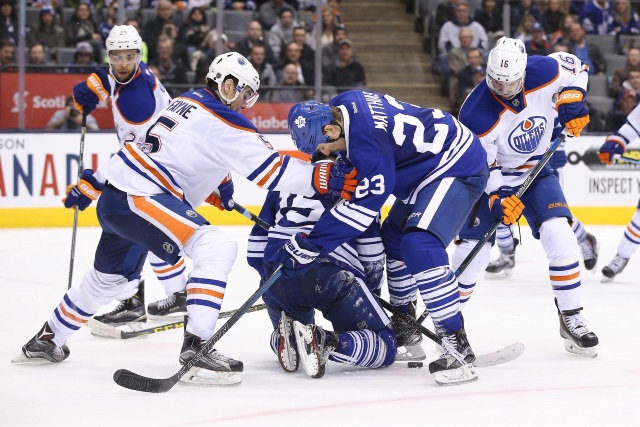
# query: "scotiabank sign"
44 95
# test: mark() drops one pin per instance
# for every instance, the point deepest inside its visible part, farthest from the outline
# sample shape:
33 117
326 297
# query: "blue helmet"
306 121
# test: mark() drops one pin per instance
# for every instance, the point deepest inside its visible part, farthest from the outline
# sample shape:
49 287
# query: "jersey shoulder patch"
481 111
209 100
541 71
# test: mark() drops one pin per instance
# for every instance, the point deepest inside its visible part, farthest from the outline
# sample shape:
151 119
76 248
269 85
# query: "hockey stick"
113 332
498 357
525 185
625 159
252 217
83 130
133 381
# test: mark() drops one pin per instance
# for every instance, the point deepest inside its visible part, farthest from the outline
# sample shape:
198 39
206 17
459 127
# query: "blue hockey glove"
223 198
505 206
614 145
572 109
297 256
88 94
558 159
85 192
335 178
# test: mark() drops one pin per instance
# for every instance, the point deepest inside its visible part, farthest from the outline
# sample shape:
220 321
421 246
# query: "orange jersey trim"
180 230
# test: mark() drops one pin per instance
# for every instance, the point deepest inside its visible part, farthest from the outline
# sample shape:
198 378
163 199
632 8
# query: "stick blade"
501 356
132 381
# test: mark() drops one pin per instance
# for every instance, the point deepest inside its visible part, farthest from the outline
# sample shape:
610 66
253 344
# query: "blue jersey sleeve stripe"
285 162
140 172
262 167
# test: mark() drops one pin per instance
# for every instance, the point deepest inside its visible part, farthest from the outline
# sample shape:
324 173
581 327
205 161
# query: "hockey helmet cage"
239 67
306 122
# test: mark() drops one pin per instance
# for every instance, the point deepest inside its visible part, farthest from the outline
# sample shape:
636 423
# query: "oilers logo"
525 138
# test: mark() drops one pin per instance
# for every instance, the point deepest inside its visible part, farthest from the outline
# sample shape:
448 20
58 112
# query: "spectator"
538 45
195 29
563 34
522 9
7 55
623 20
329 24
145 49
632 83
264 69
281 32
82 28
202 58
287 89
70 119
306 71
446 11
489 16
109 20
83 60
457 60
553 16
8 21
449 32
524 29
308 55
255 35
617 116
269 12
154 28
239 5
588 53
330 51
346 73
594 16
171 73
47 32
38 58
466 79
622 74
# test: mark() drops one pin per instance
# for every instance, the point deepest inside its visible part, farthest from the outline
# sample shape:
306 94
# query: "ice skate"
409 338
41 349
577 338
501 268
174 306
614 268
589 249
128 312
212 369
314 346
455 365
287 348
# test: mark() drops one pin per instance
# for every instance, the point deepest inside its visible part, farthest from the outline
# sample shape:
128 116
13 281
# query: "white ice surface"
546 386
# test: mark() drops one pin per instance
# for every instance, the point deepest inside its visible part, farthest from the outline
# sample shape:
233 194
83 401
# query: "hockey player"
429 162
515 129
147 204
137 95
340 285
613 147
502 266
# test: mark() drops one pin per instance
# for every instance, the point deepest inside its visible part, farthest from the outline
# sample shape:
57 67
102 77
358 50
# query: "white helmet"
124 37
506 67
239 67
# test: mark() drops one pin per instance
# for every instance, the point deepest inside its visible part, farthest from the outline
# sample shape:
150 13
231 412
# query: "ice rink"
546 386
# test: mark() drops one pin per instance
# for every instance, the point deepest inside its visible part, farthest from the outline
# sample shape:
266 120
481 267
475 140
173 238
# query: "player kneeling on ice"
516 128
148 200
339 284
434 167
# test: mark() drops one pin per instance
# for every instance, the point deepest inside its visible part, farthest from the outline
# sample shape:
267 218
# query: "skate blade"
410 353
21 359
501 275
462 375
201 377
606 279
573 348
310 361
174 317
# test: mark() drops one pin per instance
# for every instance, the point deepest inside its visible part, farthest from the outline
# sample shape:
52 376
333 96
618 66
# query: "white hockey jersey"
516 133
190 148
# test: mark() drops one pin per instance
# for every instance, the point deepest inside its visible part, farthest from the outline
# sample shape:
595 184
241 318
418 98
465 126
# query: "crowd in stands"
598 32
180 40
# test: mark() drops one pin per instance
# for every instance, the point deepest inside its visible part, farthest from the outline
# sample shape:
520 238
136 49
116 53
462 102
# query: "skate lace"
618 263
167 302
118 308
448 345
577 325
